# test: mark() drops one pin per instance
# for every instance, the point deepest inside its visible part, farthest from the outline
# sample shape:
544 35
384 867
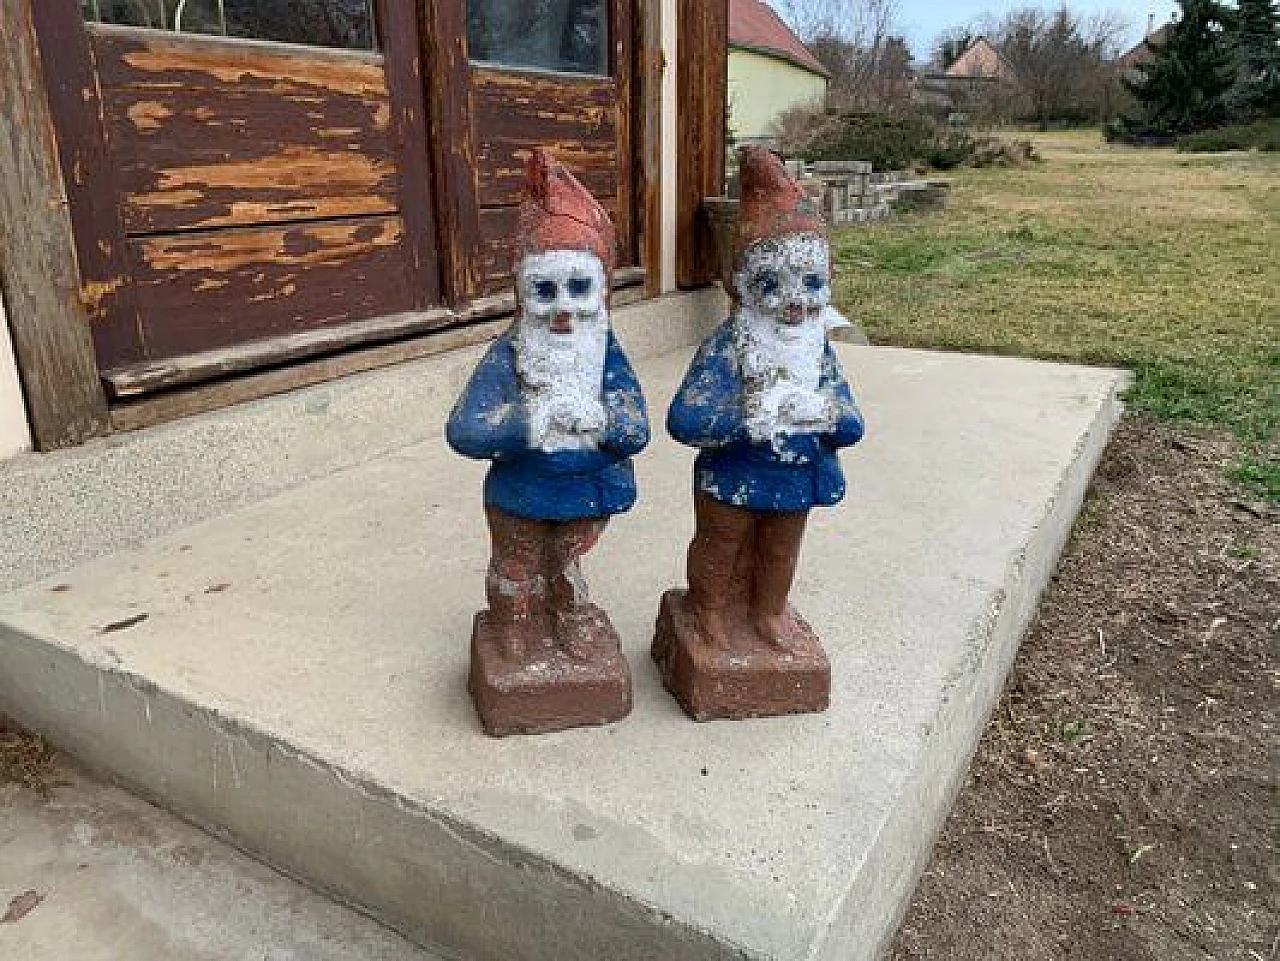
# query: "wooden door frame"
54 291
702 83
46 285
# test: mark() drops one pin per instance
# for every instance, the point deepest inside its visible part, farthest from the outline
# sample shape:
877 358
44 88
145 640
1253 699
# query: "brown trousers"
741 557
535 567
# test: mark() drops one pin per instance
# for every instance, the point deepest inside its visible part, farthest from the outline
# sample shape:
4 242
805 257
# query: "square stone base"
751 679
548 689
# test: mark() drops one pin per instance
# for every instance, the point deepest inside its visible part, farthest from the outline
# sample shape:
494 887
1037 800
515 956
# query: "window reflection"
347 24
565 35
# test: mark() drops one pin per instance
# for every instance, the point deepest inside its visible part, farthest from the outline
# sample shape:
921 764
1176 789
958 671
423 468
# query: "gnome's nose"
562 322
795 312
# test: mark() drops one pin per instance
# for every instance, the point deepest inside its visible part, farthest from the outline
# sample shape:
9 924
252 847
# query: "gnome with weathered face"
767 405
557 409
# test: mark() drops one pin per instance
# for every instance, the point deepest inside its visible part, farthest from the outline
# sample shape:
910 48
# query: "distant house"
1142 52
770 70
980 61
977 79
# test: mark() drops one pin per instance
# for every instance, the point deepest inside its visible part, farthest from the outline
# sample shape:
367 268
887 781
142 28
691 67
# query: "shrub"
1263 135
891 141
799 128
997 152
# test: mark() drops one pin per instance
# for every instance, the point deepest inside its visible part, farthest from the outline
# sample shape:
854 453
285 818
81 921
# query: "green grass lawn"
1165 263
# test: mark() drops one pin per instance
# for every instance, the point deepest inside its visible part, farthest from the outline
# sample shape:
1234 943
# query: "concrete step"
121 880
298 684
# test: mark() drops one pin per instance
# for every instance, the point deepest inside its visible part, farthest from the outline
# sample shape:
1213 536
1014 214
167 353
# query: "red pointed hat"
773 203
559 213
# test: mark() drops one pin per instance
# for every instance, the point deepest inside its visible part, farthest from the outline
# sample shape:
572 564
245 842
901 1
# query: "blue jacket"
802 471
491 422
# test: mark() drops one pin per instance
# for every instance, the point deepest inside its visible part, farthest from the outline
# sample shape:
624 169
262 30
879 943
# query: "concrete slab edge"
871 911
66 507
439 882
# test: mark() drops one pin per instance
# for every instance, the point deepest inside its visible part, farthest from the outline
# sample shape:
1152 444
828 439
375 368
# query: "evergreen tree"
1184 87
1255 42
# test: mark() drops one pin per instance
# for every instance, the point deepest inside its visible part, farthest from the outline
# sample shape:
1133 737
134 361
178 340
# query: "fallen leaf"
21 906
124 625
1123 908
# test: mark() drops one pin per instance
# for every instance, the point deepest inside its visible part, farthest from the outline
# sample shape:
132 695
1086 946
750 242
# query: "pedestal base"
546 688
751 679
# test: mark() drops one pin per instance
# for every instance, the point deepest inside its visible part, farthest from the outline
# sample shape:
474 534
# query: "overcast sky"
923 20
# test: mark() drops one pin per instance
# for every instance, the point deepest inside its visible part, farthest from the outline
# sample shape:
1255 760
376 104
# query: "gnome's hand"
579 415
804 408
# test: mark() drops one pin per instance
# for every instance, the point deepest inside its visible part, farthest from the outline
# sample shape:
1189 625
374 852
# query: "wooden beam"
702 81
647 158
89 178
38 264
403 65
443 33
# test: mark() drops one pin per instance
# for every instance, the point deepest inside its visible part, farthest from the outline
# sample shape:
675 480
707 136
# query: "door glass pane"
347 24
566 35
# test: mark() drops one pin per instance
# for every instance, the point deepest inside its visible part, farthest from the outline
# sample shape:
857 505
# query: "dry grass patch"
1159 262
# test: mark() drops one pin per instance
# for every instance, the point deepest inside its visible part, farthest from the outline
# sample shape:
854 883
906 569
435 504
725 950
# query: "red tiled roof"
753 25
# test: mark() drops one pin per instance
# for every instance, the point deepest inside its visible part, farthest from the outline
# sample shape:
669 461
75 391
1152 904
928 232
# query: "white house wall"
761 88
15 435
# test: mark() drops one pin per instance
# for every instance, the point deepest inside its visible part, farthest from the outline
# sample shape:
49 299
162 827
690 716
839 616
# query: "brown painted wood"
484 320
132 382
497 233
213 289
41 282
90 176
185 403
647 158
622 22
398 29
513 112
443 35
215 133
272 352
702 95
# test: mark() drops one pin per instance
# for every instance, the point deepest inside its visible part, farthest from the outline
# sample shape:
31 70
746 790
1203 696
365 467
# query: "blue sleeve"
848 427
707 410
489 421
627 432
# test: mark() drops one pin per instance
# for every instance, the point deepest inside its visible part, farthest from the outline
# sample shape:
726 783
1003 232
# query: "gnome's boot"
567 594
515 586
723 533
778 538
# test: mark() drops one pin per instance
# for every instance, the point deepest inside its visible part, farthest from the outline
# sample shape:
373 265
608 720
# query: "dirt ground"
1123 804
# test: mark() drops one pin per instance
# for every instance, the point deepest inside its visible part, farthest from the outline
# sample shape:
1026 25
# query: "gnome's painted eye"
579 286
814 282
767 283
545 289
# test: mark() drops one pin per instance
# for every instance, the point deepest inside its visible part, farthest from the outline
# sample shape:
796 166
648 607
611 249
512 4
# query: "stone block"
749 680
546 688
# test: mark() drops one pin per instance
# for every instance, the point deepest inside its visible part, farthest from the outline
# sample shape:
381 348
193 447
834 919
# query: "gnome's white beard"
562 377
781 373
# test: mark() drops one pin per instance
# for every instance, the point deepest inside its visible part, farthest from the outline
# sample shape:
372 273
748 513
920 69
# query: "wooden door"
240 172
556 73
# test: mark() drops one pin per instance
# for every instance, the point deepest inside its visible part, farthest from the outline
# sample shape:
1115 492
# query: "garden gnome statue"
767 405
556 408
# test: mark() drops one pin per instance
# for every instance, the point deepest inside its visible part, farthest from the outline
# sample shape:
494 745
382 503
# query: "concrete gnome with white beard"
767 405
556 407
